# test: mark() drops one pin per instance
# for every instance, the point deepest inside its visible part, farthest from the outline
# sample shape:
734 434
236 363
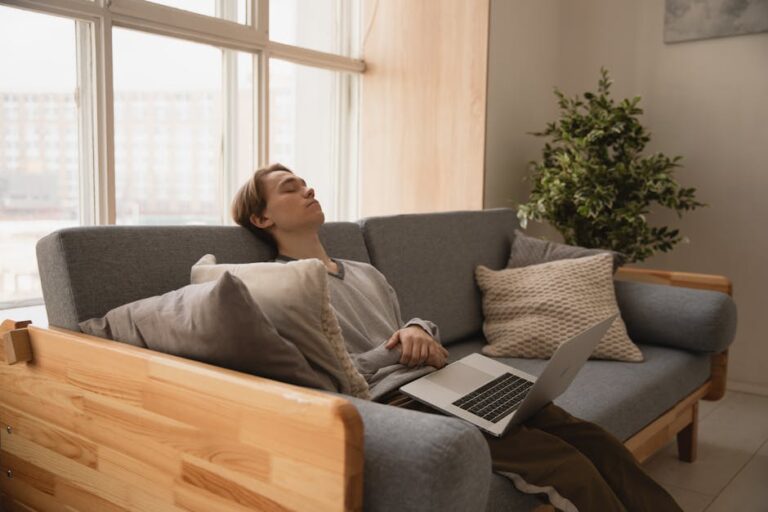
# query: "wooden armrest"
96 424
15 339
682 279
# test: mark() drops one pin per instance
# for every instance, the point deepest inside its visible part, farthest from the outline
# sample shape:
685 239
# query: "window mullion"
229 136
84 47
339 161
227 9
262 87
262 18
346 127
105 201
348 147
263 109
336 146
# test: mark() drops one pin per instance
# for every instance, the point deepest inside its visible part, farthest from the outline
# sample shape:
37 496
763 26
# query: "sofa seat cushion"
621 397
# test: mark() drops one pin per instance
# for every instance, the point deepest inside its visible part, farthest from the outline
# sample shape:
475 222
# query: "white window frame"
95 76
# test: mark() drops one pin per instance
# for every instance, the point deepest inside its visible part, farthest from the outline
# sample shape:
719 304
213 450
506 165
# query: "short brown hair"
250 199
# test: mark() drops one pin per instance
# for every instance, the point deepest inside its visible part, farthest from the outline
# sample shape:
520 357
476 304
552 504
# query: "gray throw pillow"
295 297
527 250
216 322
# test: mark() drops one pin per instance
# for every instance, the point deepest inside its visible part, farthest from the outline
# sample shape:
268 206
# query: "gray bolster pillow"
697 320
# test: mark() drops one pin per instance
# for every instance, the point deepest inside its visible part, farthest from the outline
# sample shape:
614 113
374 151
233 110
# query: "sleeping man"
577 464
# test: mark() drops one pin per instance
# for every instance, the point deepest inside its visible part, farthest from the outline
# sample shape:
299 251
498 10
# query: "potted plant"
594 186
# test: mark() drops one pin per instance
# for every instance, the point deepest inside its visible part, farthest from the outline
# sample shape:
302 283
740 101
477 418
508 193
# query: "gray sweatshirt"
369 314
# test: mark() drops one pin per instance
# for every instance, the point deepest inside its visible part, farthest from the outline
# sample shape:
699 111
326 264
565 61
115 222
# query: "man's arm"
418 339
418 347
429 327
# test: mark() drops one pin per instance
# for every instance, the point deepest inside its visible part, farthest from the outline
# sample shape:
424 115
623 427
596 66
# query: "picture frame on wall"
688 20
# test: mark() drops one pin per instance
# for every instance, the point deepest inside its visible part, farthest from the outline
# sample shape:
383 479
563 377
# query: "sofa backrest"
430 259
87 271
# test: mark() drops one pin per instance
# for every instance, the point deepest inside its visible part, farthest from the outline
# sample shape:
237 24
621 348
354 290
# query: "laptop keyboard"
497 398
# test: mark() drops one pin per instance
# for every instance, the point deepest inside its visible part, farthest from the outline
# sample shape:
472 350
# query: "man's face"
291 204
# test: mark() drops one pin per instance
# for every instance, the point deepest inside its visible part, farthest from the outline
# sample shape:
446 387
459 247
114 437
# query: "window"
151 75
324 25
37 194
174 115
306 128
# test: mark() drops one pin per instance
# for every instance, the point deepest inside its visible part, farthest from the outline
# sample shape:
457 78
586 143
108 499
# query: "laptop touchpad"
460 377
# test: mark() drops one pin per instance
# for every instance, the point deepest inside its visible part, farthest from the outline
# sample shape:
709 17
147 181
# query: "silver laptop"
493 395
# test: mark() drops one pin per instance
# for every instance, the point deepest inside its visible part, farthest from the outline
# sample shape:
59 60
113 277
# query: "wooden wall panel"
423 114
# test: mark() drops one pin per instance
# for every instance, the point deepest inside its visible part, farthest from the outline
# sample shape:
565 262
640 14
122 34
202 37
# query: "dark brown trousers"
581 461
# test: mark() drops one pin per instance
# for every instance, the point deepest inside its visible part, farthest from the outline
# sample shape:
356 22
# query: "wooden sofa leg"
687 439
719 366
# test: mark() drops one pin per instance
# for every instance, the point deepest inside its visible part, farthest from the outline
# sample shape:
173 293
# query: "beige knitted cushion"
529 311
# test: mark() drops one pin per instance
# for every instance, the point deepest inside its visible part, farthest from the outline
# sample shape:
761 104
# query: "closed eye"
290 184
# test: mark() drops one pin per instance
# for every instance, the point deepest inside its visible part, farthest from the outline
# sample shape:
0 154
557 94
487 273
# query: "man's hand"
418 347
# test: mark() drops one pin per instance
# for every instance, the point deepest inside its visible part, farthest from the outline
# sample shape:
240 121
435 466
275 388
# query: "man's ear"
262 222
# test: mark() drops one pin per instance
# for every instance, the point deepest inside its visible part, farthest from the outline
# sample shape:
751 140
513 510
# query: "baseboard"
746 387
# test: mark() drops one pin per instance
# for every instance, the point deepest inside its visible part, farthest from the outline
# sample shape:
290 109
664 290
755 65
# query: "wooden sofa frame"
93 424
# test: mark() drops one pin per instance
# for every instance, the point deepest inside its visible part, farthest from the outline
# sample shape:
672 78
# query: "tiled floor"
731 471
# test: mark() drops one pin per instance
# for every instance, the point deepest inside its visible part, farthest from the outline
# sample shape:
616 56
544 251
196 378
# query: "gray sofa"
415 460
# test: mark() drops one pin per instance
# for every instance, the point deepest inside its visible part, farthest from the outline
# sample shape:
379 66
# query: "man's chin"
320 217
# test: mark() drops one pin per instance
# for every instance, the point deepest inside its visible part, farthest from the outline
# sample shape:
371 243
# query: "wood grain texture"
719 376
688 437
16 346
9 353
103 426
683 279
423 106
657 434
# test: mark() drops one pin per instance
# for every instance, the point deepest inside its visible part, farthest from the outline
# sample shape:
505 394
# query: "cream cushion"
529 311
294 296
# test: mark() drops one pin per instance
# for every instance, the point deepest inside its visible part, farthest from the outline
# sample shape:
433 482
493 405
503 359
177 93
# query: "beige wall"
705 100
423 113
522 67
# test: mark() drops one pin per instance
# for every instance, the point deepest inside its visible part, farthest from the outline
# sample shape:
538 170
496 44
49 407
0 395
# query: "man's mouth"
314 201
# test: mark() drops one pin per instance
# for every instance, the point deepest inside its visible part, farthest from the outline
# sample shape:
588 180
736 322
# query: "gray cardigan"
369 313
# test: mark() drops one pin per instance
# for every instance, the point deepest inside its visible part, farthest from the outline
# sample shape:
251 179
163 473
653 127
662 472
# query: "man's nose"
310 192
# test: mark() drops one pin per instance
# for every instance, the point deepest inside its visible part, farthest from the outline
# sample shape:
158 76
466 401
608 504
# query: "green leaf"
594 185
